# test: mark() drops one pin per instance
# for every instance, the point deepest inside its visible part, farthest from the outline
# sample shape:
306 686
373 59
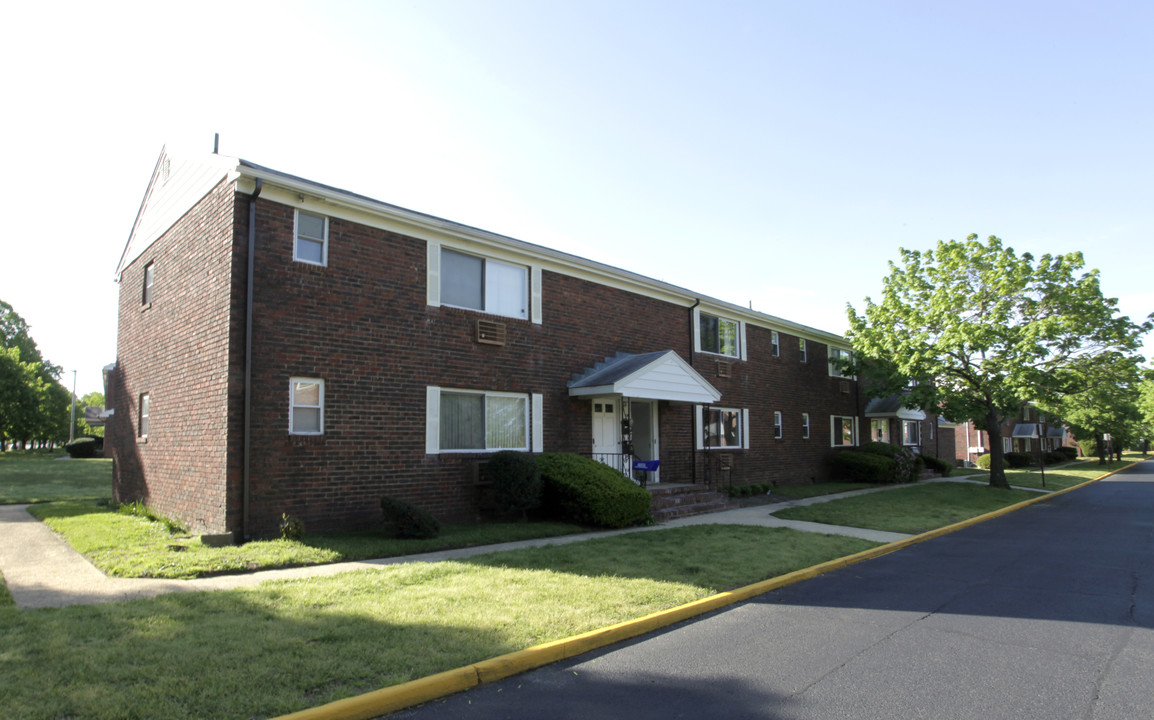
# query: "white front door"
607 431
645 435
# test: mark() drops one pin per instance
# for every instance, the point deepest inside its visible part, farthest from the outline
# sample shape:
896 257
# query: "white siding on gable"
165 202
664 380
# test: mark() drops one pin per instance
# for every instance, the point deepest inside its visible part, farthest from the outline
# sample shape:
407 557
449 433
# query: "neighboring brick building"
391 351
971 441
887 421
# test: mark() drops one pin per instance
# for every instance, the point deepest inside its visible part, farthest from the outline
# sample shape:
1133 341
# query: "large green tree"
34 406
1108 405
983 329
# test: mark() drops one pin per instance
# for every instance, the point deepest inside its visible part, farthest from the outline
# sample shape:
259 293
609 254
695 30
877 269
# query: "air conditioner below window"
490 333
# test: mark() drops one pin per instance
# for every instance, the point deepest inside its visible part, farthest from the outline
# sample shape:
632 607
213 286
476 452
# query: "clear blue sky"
773 153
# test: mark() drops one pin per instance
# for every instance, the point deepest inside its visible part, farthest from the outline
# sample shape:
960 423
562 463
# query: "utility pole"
72 424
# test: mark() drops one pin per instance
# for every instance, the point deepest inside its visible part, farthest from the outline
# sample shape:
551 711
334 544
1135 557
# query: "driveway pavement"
1042 614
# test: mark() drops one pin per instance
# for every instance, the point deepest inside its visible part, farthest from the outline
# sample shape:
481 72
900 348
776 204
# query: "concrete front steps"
677 501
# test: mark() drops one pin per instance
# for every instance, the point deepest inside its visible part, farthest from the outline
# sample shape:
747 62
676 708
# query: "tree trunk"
997 454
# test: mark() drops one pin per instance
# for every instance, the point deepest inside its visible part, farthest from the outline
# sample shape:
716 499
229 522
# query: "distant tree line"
35 409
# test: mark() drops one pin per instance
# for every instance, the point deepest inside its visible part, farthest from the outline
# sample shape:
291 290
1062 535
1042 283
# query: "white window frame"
775 342
835 427
534 420
885 428
293 405
149 282
739 354
803 350
1007 445
837 354
805 426
491 269
323 240
777 428
144 406
917 430
742 427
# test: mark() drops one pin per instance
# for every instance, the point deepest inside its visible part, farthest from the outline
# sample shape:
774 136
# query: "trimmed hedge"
867 467
879 448
1067 451
938 465
1053 457
581 490
1018 460
408 520
84 447
983 461
516 482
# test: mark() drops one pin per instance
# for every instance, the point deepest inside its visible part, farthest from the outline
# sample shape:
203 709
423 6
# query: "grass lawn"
911 508
133 546
1060 477
32 477
800 492
287 645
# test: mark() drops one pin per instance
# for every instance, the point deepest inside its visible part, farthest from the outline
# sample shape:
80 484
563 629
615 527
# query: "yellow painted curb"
414 692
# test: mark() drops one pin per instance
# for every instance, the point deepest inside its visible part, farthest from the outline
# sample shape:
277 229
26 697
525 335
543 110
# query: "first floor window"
722 426
777 425
911 432
483 421
306 406
805 425
843 430
880 430
718 335
1007 445
312 239
145 413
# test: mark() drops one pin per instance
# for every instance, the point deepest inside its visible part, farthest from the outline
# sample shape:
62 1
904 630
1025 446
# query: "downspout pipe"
693 421
246 471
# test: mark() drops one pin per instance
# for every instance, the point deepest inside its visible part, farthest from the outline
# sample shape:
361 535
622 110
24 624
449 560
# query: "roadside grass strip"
285 646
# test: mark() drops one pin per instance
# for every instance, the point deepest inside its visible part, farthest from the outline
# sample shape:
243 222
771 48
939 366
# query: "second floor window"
478 283
312 239
718 335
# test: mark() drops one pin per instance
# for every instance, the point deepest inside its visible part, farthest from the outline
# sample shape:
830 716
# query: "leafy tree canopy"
983 329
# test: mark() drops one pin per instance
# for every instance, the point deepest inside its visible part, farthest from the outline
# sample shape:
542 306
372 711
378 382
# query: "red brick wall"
181 350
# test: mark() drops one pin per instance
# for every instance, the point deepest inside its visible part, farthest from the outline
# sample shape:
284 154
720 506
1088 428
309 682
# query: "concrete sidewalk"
42 570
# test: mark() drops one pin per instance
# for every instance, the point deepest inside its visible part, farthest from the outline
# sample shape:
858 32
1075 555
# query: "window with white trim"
311 233
723 428
718 335
801 348
911 432
477 421
306 406
843 430
145 414
805 426
775 342
777 424
880 430
149 279
836 357
478 283
1007 444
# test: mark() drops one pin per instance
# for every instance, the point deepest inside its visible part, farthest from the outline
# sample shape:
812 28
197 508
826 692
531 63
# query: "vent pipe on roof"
216 145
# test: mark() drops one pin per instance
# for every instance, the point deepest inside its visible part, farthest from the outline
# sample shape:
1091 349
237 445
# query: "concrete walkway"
42 570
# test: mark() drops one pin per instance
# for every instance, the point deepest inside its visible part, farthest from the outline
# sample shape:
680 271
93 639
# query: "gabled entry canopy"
891 407
659 375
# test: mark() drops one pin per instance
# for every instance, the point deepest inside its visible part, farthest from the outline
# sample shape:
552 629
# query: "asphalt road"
1044 613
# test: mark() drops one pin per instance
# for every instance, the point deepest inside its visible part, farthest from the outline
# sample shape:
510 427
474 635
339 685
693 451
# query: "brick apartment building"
289 347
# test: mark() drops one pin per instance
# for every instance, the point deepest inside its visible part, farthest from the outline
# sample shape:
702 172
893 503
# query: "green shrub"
879 448
1053 457
83 447
938 465
409 521
856 466
516 482
291 527
1018 460
1068 452
581 490
983 461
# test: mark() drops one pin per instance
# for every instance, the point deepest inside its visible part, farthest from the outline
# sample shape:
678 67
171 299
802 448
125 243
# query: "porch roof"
891 407
661 375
